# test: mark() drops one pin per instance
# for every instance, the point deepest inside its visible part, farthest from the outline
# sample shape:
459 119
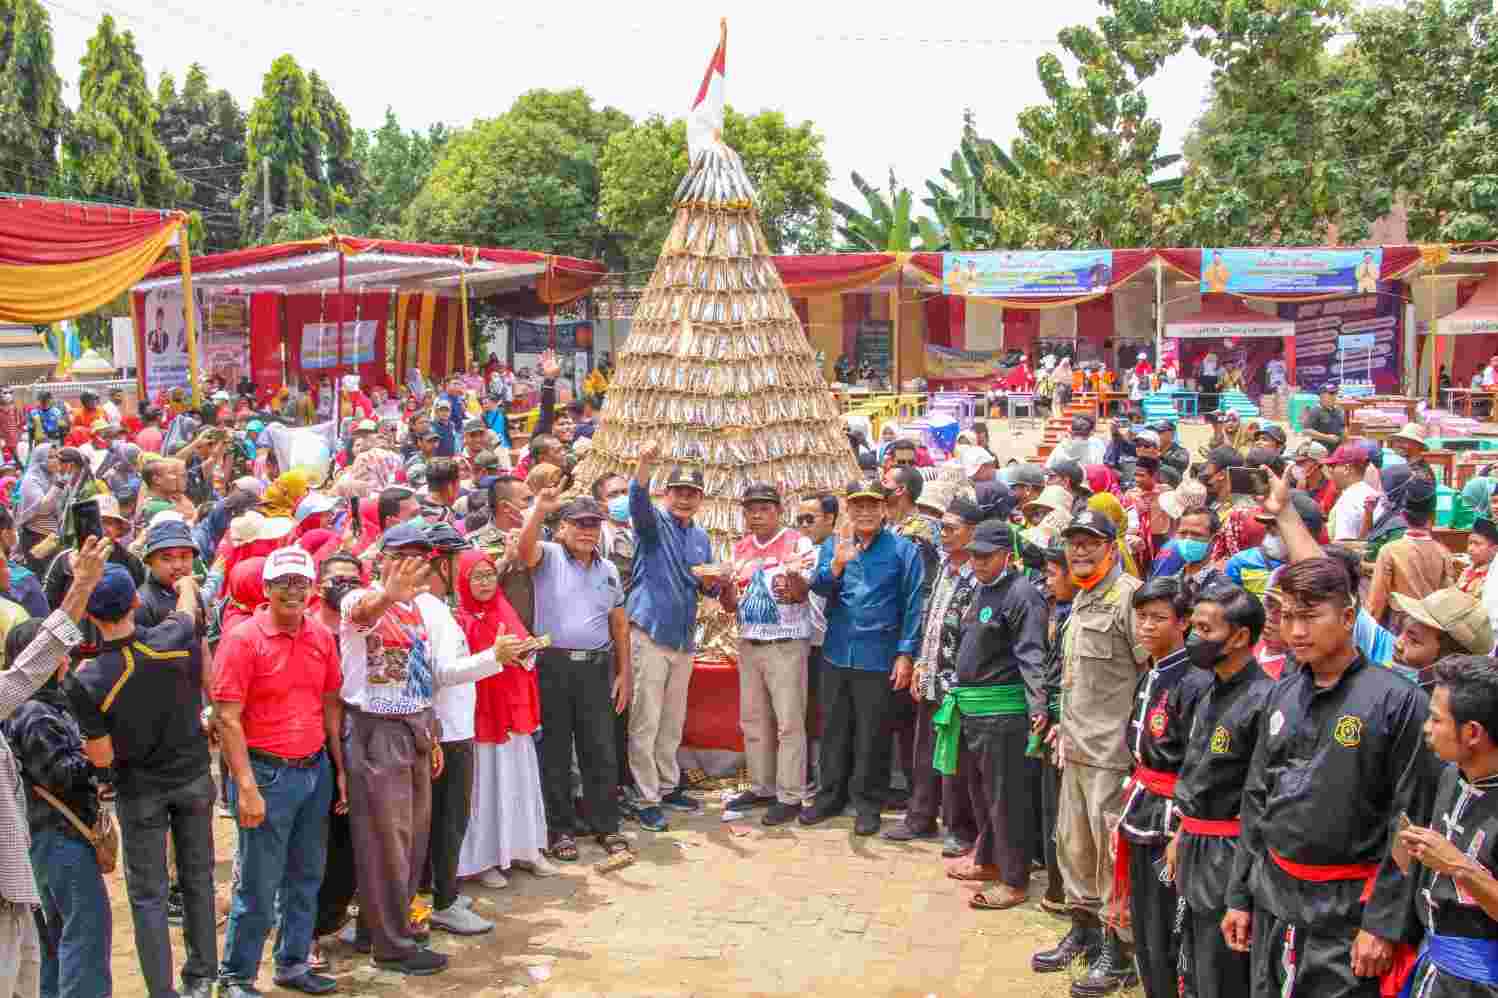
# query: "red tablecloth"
713 707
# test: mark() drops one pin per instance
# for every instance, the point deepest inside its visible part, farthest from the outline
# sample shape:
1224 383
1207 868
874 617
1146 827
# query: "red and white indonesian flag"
705 121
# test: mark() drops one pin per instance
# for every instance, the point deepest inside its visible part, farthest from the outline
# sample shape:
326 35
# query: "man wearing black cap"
1171 452
1221 498
1416 564
871 579
935 673
137 703
1069 475
580 605
1025 483
1101 660
1271 437
424 452
769 593
1482 544
475 442
1325 423
662 606
998 699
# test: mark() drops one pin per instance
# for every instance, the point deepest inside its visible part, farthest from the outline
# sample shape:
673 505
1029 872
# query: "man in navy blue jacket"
871 579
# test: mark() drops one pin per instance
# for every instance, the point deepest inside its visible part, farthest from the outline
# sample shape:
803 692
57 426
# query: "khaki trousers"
772 716
657 714
1091 803
20 953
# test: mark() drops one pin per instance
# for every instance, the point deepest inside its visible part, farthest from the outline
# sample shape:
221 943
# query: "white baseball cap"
288 561
313 503
972 458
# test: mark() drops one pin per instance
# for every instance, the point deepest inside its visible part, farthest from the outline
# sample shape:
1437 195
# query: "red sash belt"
1228 828
1156 781
1324 874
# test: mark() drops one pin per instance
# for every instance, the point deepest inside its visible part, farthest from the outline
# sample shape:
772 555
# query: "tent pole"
895 326
338 344
1434 342
1159 315
190 315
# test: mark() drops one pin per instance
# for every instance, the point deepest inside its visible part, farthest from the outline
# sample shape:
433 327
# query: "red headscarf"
509 703
254 550
246 592
369 522
1101 478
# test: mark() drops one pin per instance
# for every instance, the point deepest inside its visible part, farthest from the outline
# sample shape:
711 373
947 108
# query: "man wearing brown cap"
1100 663
772 564
1446 622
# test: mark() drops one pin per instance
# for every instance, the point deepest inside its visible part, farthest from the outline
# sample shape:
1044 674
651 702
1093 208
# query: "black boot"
1081 942
1110 973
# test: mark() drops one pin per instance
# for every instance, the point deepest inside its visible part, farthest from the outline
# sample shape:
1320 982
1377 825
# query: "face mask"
334 591
619 508
1191 550
1274 548
1204 654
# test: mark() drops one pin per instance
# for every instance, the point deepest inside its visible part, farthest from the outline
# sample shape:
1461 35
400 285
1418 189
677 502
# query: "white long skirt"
508 818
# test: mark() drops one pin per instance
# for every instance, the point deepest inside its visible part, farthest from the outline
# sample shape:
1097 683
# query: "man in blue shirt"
448 435
872 579
663 625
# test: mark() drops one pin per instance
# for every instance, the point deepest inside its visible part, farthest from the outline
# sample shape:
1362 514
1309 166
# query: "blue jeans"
146 818
76 937
280 870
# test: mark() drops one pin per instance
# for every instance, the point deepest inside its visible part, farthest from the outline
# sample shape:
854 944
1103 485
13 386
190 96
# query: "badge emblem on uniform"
985 615
1276 722
1349 731
1157 722
1221 740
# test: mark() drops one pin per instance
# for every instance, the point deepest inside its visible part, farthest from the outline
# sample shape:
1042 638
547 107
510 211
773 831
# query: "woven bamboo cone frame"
718 370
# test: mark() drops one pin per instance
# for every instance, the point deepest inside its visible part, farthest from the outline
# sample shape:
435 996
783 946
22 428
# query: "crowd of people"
1238 705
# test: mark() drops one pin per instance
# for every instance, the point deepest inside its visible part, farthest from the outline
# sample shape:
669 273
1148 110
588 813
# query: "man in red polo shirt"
275 688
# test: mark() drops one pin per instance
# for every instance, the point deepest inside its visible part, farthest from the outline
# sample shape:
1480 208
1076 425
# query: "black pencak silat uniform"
1332 771
1467 814
1224 730
1164 700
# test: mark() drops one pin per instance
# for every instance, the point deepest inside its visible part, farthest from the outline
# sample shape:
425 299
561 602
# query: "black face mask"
1203 653
335 590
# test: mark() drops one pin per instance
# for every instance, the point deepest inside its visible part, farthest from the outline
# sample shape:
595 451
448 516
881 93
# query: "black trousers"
1319 965
577 706
338 879
1050 797
1210 969
997 774
1152 909
897 747
452 800
621 745
851 763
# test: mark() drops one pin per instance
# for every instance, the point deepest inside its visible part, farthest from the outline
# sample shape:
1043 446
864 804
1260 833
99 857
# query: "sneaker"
747 801
680 800
493 878
420 962
309 983
460 921
232 989
651 817
538 867
174 905
781 814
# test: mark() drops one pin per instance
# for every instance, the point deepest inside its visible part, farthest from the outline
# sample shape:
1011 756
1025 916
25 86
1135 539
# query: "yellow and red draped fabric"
60 259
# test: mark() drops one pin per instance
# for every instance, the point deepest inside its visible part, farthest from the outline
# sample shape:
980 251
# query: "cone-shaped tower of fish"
717 367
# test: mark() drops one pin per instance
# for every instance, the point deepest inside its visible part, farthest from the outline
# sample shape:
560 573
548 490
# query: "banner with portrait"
165 361
1290 270
1027 273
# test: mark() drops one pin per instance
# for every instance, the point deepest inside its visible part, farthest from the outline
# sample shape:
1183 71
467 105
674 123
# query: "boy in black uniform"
1225 626
1339 757
1457 892
1164 700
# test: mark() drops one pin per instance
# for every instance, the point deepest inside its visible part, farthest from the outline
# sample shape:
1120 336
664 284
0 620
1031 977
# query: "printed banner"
574 349
1348 339
1474 323
946 364
1229 329
226 338
165 361
1290 269
1027 274
320 346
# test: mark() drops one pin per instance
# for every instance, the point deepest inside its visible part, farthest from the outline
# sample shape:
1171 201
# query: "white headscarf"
36 483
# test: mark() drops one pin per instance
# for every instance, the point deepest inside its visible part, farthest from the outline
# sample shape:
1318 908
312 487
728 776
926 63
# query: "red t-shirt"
281 680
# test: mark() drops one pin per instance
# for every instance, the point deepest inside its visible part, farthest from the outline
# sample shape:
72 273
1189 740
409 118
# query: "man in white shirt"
1274 373
1346 466
397 652
1081 447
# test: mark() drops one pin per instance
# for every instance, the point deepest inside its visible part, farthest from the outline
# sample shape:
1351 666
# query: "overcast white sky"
886 88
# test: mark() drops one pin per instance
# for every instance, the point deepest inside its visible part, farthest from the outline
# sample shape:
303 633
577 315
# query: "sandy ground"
718 909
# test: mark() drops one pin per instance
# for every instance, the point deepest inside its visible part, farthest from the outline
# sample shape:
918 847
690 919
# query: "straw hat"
1189 495
1052 497
1411 433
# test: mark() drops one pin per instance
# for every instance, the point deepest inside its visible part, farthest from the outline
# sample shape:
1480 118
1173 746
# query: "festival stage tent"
60 259
320 307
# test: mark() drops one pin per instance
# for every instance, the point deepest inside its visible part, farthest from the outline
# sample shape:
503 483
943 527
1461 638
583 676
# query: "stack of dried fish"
717 367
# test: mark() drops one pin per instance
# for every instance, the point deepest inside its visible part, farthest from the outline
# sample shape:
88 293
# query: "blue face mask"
1191 550
619 508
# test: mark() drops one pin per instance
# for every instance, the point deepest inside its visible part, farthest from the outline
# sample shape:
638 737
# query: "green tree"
393 165
111 148
336 164
32 114
960 202
888 226
641 168
526 178
203 130
1084 160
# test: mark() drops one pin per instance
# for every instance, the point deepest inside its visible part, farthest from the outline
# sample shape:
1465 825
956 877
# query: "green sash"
977 701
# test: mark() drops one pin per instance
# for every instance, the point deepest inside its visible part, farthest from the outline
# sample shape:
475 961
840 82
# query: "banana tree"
887 226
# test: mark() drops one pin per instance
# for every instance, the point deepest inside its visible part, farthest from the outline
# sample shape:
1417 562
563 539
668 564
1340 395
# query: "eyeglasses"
1084 543
484 577
952 528
805 521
